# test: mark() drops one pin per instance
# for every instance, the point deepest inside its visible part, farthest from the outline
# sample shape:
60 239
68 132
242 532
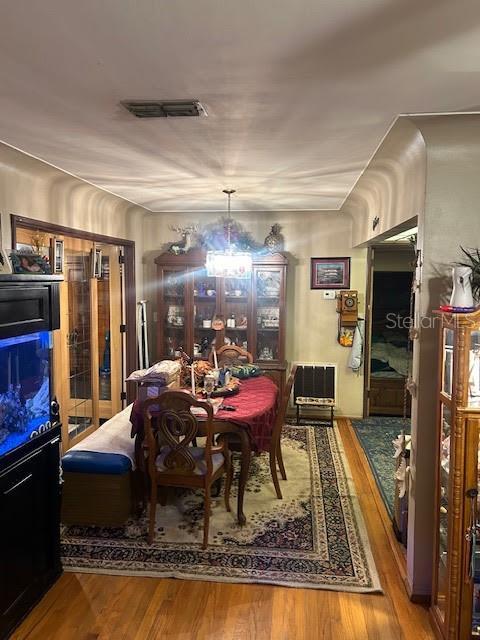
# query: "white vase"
462 287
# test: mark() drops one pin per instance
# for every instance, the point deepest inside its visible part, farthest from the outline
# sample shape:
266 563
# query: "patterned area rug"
315 537
376 435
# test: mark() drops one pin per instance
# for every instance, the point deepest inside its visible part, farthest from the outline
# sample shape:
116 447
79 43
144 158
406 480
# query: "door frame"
368 331
129 275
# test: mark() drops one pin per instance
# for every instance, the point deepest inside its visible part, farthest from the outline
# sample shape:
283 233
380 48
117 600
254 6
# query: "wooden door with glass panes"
108 301
88 348
456 585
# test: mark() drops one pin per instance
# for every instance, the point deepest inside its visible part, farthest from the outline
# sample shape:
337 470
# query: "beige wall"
33 189
426 167
392 187
311 320
393 259
451 219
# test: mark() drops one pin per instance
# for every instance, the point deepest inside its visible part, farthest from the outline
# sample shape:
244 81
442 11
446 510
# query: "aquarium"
24 389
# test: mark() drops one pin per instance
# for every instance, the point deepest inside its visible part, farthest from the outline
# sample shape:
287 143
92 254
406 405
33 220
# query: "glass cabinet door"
172 318
470 627
474 370
237 304
443 518
447 371
205 295
108 321
268 294
78 261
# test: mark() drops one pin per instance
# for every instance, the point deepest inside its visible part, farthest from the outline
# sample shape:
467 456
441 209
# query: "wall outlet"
329 295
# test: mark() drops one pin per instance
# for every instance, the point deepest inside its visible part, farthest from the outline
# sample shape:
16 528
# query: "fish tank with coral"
25 363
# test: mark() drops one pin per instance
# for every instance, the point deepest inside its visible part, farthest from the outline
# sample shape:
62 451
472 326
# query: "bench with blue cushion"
98 476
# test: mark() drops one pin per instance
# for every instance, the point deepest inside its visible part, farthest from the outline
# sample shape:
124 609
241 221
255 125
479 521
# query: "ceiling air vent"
164 108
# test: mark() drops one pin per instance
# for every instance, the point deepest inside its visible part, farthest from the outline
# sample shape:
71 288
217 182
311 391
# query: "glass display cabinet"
251 310
456 585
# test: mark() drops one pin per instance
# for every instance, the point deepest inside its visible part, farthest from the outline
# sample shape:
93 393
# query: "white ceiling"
299 92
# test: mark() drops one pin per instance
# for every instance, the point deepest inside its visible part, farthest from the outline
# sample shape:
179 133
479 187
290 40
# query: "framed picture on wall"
330 273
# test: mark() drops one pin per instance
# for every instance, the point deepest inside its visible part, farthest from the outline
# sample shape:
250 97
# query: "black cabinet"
30 529
28 304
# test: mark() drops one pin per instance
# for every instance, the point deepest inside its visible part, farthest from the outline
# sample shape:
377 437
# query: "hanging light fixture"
229 263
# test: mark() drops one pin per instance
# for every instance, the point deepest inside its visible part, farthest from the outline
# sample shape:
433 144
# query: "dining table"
247 424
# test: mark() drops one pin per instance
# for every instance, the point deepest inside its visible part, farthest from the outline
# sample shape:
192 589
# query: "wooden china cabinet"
252 310
456 584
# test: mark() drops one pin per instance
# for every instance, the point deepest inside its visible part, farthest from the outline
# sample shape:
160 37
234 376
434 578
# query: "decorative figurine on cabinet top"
186 242
275 240
462 296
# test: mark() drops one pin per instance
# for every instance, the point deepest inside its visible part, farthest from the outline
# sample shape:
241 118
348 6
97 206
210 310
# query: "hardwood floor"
101 607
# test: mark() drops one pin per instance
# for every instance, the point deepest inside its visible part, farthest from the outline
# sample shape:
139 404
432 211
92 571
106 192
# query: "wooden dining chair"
231 354
172 460
275 442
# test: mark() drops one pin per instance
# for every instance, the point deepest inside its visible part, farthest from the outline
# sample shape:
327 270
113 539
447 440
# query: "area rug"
315 537
376 435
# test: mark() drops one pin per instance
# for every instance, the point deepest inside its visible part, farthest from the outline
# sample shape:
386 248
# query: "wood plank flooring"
101 607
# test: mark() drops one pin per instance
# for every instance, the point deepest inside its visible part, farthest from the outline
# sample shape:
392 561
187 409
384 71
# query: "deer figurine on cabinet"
186 242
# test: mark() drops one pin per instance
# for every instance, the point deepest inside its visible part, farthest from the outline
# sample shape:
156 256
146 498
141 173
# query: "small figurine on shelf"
204 346
242 322
266 353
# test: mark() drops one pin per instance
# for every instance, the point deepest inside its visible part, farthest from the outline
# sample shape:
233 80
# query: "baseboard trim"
415 597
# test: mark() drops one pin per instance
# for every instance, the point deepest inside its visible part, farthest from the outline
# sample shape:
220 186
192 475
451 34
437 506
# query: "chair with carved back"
172 460
275 443
231 354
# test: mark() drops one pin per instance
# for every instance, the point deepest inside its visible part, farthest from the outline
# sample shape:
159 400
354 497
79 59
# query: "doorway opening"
386 426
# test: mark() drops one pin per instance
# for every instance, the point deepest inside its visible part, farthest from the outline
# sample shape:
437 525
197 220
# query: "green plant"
472 260
215 236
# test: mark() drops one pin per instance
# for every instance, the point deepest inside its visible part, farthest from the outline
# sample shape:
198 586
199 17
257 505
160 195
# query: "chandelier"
229 263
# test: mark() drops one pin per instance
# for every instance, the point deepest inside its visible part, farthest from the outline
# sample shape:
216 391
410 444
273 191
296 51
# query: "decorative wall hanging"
347 309
330 273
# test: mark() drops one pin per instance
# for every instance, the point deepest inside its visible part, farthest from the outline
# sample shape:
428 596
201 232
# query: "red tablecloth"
255 408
